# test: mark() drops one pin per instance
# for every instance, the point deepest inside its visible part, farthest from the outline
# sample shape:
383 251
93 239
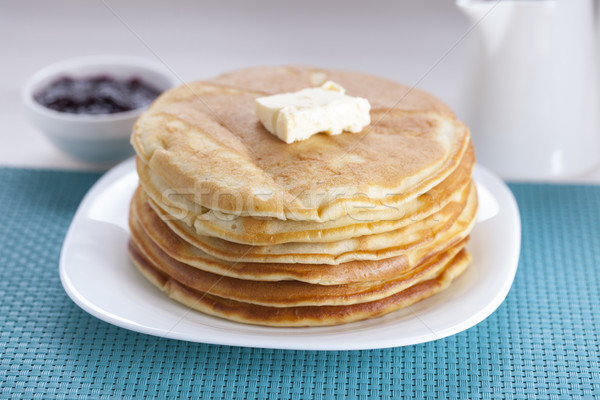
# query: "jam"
96 95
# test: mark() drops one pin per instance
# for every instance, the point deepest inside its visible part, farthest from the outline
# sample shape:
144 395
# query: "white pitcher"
531 99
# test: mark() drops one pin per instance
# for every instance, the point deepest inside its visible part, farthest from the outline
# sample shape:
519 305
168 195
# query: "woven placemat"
543 342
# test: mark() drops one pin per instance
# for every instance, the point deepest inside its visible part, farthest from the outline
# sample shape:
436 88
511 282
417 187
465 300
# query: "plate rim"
481 175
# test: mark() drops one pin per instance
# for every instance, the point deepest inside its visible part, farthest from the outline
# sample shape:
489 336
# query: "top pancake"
205 141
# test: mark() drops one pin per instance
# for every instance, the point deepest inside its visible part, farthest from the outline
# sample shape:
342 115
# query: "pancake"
382 93
233 222
454 220
205 141
288 293
298 315
146 222
269 231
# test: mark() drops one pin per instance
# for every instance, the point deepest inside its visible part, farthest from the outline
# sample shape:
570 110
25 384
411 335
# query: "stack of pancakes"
232 221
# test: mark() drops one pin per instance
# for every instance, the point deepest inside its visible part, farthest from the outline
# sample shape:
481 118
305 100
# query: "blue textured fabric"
543 342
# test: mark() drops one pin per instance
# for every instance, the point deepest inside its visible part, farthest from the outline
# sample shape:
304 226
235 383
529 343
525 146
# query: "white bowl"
100 139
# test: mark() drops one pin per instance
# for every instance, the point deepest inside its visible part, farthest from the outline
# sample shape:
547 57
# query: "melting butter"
326 109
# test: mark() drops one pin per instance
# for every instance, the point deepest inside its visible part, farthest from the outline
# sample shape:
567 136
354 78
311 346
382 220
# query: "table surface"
541 343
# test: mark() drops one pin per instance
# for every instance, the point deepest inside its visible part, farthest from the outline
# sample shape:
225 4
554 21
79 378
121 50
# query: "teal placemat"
543 342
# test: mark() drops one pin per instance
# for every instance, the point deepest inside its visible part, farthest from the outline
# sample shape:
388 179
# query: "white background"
421 43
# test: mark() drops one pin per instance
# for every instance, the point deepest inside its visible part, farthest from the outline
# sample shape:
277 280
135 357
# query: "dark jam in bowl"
96 95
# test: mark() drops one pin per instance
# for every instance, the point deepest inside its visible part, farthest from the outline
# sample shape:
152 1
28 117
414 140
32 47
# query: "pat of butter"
299 115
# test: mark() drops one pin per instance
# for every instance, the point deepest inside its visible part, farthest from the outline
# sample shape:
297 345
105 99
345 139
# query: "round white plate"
96 273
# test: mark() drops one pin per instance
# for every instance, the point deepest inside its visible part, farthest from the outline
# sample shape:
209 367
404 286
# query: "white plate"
96 273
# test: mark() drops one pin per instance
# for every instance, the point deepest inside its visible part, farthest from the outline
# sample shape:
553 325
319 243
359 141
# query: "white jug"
531 98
